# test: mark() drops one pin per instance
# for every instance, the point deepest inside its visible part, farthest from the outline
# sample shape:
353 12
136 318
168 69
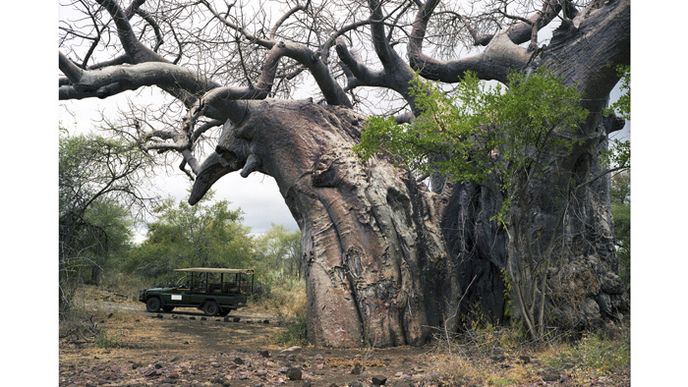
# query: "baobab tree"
387 257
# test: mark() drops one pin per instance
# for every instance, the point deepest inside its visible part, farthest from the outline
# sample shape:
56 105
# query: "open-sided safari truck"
216 291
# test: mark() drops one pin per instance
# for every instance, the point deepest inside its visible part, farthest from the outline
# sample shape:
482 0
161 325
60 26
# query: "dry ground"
122 345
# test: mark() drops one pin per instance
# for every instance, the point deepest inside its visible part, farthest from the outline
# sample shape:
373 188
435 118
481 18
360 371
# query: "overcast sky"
257 195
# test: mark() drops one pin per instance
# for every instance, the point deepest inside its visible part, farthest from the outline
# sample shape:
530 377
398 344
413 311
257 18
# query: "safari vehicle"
215 291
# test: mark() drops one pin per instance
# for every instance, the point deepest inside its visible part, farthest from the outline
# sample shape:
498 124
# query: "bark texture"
479 248
561 229
377 271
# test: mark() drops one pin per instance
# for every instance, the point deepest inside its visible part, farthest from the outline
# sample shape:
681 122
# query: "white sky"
257 195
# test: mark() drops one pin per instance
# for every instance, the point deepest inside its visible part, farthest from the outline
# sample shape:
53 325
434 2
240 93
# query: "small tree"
488 136
108 235
100 180
278 257
184 236
621 213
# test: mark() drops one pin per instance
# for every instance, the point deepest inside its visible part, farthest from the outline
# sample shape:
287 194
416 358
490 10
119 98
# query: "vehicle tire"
225 311
210 308
153 304
167 309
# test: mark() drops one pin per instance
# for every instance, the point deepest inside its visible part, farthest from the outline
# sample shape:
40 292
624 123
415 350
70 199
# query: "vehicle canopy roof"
214 270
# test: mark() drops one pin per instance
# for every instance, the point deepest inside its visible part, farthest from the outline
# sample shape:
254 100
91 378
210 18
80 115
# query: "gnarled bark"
561 246
377 272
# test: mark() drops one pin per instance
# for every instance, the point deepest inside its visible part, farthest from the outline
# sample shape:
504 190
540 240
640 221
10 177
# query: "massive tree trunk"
376 267
561 246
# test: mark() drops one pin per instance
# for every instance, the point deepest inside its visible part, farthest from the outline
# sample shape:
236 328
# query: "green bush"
295 334
593 351
103 340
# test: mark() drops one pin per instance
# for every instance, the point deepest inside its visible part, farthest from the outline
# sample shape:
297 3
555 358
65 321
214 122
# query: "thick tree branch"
70 69
132 8
131 44
588 55
333 93
383 50
122 59
198 132
357 68
500 56
114 79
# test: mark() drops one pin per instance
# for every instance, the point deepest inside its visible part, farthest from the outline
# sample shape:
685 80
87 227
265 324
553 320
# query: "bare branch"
278 24
501 55
333 93
262 42
357 68
68 68
156 27
386 54
132 46
522 32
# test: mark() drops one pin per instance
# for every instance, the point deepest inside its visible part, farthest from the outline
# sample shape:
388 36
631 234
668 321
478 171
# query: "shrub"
295 334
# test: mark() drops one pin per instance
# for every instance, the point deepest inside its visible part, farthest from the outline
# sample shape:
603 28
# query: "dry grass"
124 284
286 301
593 356
494 357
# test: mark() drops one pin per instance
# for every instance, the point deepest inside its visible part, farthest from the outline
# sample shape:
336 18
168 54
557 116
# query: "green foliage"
480 131
603 355
622 106
295 333
186 236
116 223
621 214
278 259
619 154
508 294
501 381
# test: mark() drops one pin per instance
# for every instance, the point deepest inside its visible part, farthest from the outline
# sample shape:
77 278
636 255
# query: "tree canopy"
205 235
101 186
